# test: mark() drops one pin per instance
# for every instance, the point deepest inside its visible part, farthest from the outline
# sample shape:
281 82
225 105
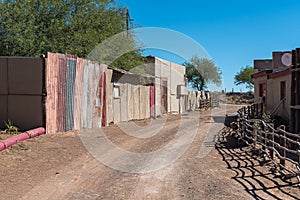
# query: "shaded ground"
59 167
255 176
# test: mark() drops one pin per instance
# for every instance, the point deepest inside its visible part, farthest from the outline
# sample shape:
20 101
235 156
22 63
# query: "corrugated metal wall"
63 92
75 93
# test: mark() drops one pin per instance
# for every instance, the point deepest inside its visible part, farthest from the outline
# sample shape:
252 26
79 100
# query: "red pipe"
21 137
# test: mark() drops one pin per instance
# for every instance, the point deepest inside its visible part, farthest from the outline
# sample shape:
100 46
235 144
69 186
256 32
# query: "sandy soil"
58 166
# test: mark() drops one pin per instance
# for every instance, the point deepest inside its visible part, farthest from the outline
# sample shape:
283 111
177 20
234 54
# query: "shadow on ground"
255 175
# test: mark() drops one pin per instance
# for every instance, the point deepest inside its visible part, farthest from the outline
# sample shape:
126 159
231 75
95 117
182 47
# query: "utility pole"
128 21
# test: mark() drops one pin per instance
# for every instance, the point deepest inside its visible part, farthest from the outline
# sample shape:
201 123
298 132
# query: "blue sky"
233 32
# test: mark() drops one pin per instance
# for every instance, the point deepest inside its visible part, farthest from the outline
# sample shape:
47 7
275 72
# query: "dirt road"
187 165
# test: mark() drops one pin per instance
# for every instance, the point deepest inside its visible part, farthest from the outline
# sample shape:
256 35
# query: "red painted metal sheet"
52 63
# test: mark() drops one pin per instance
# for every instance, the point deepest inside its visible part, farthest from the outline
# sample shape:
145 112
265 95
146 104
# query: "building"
171 92
276 86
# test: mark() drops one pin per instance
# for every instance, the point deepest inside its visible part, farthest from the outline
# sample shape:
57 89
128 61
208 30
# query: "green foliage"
244 77
34 27
201 71
11 128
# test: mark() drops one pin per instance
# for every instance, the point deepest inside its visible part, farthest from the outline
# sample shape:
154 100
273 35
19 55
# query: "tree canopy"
34 27
244 77
201 71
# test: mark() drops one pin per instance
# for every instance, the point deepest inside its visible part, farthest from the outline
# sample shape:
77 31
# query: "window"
262 93
116 91
282 90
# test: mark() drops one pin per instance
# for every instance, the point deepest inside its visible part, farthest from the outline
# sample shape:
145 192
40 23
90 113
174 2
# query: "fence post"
200 104
256 107
271 150
263 135
261 110
254 133
299 156
282 144
249 112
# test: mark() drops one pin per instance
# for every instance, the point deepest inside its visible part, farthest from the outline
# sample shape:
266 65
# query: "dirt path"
60 167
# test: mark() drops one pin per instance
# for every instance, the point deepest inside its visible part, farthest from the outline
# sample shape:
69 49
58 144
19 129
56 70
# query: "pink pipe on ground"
21 137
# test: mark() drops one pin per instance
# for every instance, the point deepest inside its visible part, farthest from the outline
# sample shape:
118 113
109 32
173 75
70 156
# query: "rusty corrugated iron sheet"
61 95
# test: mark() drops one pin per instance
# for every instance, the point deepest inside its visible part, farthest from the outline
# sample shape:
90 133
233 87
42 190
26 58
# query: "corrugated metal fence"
75 93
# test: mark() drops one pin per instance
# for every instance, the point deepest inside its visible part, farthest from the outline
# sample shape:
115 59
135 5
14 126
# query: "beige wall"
273 93
257 82
133 103
175 76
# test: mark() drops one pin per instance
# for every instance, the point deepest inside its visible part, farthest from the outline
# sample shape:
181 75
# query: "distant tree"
34 27
244 77
201 71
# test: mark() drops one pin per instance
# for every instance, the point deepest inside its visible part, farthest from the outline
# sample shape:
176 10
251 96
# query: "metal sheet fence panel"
3 76
52 63
25 76
3 110
136 99
25 111
109 96
61 90
142 106
78 93
104 96
70 91
85 95
152 101
95 96
130 101
124 102
147 102
90 99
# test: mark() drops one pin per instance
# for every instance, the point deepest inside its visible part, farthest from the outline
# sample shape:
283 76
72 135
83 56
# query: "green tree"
201 71
34 27
244 77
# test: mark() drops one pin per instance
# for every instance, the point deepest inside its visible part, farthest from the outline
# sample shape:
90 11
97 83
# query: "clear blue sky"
233 32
